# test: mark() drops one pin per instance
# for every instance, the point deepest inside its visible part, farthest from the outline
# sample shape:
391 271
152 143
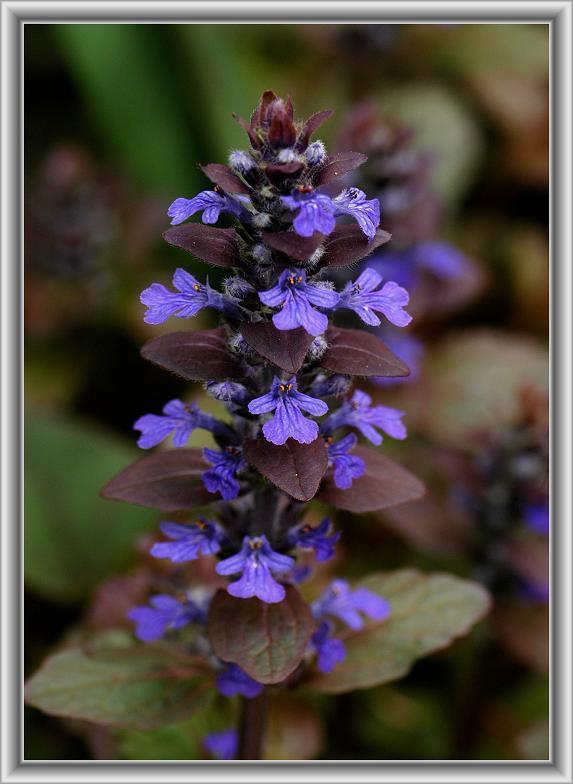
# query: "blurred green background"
117 118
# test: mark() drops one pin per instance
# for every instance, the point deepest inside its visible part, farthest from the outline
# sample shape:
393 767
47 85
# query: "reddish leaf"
196 356
282 131
290 243
347 244
169 481
256 143
384 484
225 178
267 641
285 349
260 112
360 354
217 246
295 468
311 125
276 172
337 165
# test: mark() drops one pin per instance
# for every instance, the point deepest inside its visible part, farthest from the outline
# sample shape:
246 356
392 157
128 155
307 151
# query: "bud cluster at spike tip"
272 364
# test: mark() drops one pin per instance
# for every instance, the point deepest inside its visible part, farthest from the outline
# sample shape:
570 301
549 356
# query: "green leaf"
138 686
267 640
181 741
214 95
73 538
128 88
428 613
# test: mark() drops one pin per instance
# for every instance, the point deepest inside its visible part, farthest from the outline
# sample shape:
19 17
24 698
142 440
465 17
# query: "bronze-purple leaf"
267 641
383 484
225 178
295 468
311 125
276 172
336 165
347 244
285 349
358 353
290 243
256 142
169 481
196 356
216 246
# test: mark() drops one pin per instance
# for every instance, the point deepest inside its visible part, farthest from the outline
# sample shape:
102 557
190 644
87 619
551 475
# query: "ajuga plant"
283 371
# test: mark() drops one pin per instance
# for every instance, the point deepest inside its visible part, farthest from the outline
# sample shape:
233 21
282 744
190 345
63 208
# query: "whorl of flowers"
282 369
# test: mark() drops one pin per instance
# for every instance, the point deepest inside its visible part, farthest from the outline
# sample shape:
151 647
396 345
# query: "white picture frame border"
14 15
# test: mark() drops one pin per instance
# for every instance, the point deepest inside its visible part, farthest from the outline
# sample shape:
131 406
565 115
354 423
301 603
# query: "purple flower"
222 745
165 613
536 517
288 422
192 297
345 604
330 651
359 413
233 680
255 562
296 297
315 212
221 478
363 298
347 467
442 259
179 419
210 203
189 541
534 593
366 212
320 539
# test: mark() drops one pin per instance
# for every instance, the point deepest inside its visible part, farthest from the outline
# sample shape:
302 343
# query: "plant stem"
252 722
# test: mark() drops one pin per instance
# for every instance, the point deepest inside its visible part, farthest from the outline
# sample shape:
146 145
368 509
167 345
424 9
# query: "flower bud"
315 153
241 161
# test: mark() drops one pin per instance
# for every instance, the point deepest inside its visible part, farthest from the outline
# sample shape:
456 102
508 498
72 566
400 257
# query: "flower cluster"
282 369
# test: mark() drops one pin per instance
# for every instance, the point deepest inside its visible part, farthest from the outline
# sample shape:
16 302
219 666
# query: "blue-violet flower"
255 562
222 745
288 422
296 297
364 297
210 203
233 680
222 477
330 651
179 419
189 541
347 467
359 413
321 539
192 297
165 613
341 602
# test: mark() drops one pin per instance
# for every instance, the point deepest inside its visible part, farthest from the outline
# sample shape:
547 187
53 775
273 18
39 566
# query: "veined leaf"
428 612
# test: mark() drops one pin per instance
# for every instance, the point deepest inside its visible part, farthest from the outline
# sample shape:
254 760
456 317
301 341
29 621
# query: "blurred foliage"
73 538
128 111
